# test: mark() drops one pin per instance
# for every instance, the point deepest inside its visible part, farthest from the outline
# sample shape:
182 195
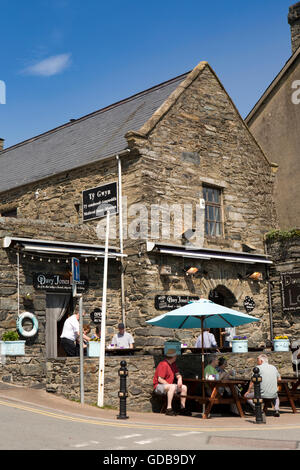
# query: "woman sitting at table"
210 369
221 368
225 375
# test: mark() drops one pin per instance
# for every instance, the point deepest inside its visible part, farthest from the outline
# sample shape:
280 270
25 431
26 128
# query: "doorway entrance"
222 296
58 308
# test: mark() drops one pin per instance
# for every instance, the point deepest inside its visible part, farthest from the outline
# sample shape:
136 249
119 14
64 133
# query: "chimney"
1 144
294 21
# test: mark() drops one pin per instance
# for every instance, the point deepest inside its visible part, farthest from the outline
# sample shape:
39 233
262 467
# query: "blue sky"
62 59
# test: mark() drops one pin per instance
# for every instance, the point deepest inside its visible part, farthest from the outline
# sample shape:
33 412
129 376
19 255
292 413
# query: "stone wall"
28 371
143 283
294 21
286 256
92 270
59 198
198 138
62 376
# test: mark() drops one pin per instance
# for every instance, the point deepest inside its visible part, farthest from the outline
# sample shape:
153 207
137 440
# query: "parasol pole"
202 365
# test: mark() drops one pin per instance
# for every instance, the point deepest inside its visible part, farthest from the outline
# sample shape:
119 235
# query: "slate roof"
88 139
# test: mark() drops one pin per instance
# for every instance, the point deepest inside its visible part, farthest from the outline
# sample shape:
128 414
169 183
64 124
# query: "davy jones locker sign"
290 291
56 282
96 200
170 302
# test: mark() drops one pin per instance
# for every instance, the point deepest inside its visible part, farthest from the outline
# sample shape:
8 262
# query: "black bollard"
123 373
257 400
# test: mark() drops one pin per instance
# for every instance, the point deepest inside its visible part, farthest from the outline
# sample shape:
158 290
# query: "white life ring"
35 323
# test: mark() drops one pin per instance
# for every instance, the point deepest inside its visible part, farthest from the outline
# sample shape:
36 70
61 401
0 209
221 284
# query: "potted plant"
281 343
11 345
239 344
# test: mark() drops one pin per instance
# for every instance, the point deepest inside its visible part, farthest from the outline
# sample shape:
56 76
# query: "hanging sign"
96 201
249 304
57 282
170 302
290 291
96 315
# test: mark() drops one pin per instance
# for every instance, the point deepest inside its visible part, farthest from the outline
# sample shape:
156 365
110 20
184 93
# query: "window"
9 213
213 211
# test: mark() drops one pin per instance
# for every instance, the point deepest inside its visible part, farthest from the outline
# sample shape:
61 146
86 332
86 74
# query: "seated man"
122 339
163 381
210 369
268 385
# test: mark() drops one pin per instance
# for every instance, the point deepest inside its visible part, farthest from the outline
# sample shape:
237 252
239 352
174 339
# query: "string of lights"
50 258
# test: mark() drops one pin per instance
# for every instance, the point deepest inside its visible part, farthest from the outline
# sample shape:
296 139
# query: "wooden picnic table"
288 390
121 351
215 397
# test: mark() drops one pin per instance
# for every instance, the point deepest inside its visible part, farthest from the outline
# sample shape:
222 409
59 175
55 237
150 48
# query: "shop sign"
96 315
95 201
170 302
290 291
249 304
57 282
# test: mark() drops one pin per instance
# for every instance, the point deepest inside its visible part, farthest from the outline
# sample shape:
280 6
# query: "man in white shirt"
209 340
122 339
229 334
70 334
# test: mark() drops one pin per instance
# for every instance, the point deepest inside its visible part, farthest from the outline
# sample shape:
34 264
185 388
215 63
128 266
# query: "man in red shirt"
164 383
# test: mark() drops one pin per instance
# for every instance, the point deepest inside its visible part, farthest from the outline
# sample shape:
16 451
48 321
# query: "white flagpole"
103 321
81 349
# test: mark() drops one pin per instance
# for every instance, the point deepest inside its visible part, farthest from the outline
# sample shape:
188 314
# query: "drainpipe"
18 280
270 304
121 236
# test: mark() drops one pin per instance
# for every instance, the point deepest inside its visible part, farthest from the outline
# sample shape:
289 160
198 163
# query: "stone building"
275 121
285 283
179 150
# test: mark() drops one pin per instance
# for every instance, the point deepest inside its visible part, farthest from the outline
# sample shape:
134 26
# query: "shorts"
160 389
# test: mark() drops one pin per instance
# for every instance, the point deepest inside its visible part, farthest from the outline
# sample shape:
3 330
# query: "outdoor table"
222 350
288 390
215 397
121 351
161 350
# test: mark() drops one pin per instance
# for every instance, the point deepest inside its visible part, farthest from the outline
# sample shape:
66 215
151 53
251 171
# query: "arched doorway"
221 295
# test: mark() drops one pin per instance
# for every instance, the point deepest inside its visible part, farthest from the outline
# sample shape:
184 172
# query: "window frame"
220 206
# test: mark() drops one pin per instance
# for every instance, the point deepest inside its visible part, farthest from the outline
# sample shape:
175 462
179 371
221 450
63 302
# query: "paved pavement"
219 432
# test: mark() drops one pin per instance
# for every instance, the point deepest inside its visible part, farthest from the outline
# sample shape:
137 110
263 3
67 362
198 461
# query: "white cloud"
51 66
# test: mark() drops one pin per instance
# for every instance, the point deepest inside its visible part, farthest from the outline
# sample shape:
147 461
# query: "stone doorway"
221 295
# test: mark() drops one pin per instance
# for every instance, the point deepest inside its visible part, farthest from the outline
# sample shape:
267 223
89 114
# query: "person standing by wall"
70 334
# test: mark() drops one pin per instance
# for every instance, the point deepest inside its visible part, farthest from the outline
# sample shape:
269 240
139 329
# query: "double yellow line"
127 424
